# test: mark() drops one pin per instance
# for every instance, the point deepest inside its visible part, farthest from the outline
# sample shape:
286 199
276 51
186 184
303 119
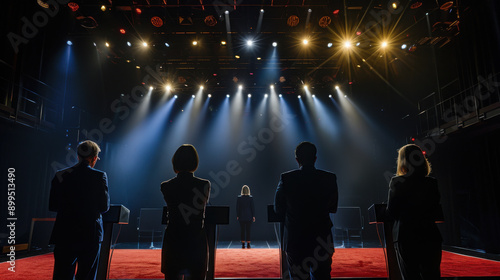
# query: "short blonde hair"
245 190
412 161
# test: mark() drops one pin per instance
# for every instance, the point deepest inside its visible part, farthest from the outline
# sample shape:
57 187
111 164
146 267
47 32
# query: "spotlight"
266 95
336 87
226 12
122 31
240 87
195 43
345 96
95 45
299 96
201 87
144 44
330 45
305 41
280 95
314 96
237 56
168 87
272 86
150 88
107 44
403 46
336 12
249 43
167 45
384 44
227 95
262 10
138 67
192 96
275 44
129 44
69 43
305 86
175 96
209 95
347 44
103 8
249 95
394 5
310 10
223 43
426 14
330 96
138 11
358 43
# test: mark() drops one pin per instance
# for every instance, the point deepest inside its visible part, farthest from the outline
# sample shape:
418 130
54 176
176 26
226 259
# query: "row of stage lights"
240 87
347 44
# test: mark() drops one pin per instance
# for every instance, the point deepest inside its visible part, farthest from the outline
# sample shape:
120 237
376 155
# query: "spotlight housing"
280 95
129 44
144 44
275 44
69 42
249 95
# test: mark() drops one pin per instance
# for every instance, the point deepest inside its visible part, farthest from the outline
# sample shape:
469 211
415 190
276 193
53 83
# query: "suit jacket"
185 243
79 195
245 209
413 203
305 198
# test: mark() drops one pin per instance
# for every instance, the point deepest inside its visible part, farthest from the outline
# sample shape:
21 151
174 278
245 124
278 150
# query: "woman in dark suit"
245 214
413 204
185 247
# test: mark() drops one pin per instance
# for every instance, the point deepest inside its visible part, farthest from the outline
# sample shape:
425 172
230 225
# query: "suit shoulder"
326 173
202 181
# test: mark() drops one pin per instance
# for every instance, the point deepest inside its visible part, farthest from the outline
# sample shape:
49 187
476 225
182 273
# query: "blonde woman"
413 203
245 214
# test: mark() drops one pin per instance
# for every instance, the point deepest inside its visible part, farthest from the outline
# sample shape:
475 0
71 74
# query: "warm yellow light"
223 43
144 44
168 87
384 44
103 8
107 44
201 87
347 44
394 5
259 58
305 42
195 43
237 56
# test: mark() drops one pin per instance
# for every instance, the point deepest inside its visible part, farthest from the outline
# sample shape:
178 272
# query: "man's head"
305 153
88 151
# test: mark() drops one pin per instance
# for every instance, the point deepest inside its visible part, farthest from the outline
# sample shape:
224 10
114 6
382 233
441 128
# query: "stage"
348 263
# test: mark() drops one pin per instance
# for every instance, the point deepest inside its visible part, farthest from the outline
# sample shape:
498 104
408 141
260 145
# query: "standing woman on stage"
413 204
185 247
245 214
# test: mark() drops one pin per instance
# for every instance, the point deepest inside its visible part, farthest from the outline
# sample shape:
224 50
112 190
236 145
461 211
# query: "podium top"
117 214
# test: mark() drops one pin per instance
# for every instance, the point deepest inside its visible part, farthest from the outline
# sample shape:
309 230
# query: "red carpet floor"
145 264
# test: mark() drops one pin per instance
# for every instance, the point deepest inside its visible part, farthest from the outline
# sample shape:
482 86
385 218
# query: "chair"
149 223
349 222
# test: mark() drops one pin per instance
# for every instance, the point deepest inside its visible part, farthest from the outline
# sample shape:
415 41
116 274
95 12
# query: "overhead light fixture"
122 31
329 45
384 44
275 44
249 95
69 43
266 95
138 11
249 43
262 10
175 96
103 8
226 12
347 44
157 21
223 43
209 95
259 58
305 41
129 44
227 95
144 44
195 43
107 44
167 45
237 56
403 46
280 95
151 88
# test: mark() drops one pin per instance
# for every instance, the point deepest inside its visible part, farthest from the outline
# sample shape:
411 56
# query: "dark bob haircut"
185 159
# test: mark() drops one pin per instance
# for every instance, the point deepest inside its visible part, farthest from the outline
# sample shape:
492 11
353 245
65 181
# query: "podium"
377 216
117 214
272 217
214 215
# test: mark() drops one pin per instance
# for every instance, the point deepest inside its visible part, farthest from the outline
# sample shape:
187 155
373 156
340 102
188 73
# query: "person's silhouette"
184 251
305 198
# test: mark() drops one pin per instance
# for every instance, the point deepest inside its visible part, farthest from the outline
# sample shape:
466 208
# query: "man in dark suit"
305 198
79 195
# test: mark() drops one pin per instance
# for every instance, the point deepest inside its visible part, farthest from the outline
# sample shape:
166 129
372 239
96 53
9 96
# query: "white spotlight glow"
275 44
299 96
249 43
129 44
384 44
144 44
192 96
107 44
314 95
305 86
272 86
95 45
330 45
209 95
330 96
249 95
403 46
266 95
347 44
201 87
69 43
345 96
240 87
175 96
280 95
262 10
195 43
167 45
227 95
336 87
305 41
168 87
150 88
226 12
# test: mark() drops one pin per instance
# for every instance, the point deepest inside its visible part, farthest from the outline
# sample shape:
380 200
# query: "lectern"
117 214
214 215
272 217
